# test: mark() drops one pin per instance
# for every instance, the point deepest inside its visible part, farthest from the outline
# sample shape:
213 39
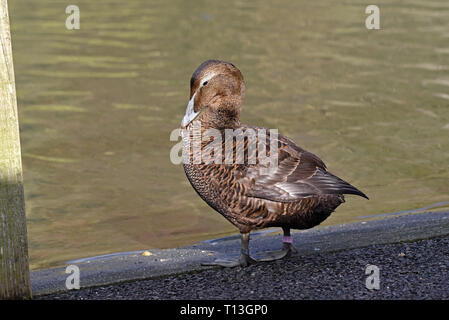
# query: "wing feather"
299 174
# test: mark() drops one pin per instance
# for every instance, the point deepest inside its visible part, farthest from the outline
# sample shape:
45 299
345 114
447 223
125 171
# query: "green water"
97 106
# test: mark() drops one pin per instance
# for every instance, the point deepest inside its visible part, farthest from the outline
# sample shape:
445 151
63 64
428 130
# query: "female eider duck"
297 193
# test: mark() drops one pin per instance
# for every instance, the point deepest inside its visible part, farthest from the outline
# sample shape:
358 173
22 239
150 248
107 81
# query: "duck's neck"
221 125
227 116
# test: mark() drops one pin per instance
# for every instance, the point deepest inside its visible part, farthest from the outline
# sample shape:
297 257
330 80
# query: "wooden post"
14 269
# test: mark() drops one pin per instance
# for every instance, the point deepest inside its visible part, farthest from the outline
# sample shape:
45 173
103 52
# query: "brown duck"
297 193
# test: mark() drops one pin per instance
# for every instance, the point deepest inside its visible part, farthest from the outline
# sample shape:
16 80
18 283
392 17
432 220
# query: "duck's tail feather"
329 183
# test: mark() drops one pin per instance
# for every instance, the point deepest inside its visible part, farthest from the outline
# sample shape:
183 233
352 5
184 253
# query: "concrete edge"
131 266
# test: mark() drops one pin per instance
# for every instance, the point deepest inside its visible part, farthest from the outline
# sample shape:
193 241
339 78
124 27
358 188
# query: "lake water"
97 106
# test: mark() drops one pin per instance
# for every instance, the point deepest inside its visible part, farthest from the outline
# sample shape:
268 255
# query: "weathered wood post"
14 269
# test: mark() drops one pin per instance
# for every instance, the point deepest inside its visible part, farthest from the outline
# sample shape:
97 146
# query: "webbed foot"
244 260
287 250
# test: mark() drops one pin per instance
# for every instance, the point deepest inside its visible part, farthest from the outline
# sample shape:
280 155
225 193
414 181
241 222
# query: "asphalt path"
404 257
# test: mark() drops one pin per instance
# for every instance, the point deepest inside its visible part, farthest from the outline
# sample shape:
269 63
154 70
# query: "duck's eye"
204 83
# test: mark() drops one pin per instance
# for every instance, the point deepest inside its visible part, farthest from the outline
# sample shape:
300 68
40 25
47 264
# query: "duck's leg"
287 242
287 248
244 259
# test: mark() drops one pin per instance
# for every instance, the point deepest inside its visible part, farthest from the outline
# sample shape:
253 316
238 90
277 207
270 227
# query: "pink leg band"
287 239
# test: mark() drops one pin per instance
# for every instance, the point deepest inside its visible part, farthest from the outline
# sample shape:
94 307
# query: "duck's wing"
299 174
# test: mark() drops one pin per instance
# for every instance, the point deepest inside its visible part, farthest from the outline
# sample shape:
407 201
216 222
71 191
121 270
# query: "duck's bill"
190 113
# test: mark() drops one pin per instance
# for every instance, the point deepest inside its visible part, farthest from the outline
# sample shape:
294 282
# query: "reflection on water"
97 106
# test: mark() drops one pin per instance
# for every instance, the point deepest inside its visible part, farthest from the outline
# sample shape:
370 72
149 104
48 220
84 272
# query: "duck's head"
217 90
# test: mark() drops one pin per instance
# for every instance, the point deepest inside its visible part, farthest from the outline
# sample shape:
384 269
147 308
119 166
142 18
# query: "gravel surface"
415 270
